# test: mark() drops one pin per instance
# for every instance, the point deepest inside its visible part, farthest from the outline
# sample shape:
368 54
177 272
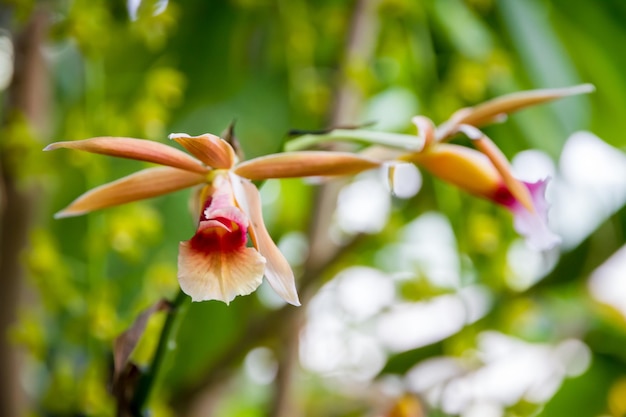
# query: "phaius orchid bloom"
484 172
473 172
216 263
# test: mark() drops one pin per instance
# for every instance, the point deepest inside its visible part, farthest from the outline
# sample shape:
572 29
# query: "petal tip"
471 132
583 89
63 214
174 136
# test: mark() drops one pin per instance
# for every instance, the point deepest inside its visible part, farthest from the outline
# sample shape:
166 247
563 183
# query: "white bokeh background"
358 318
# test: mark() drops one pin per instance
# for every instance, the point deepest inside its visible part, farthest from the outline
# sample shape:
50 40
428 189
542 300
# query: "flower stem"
166 345
370 137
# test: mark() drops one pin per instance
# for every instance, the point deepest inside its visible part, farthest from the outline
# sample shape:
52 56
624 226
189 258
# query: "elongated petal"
210 149
304 164
218 275
464 167
490 110
499 161
277 271
147 183
139 149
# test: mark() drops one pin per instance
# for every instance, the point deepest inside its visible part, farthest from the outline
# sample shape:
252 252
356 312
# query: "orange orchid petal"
499 161
277 271
490 110
304 164
210 149
464 167
147 183
219 275
139 149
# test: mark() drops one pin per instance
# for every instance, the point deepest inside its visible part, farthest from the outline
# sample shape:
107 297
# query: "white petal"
535 229
219 275
534 226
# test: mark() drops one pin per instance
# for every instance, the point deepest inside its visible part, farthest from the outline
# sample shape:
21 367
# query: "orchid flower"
472 171
216 263
484 172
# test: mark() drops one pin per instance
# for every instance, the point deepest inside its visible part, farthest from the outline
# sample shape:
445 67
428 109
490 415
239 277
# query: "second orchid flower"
484 172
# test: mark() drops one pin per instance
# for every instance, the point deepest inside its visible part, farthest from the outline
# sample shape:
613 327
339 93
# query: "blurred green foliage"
270 65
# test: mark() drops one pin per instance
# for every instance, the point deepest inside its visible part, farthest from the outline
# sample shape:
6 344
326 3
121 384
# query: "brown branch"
15 222
282 403
27 98
347 105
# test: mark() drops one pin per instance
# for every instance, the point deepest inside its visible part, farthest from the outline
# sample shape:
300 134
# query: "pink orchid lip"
220 234
216 264
222 226
532 225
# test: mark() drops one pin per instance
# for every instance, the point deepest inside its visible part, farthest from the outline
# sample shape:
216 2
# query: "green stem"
368 137
166 345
